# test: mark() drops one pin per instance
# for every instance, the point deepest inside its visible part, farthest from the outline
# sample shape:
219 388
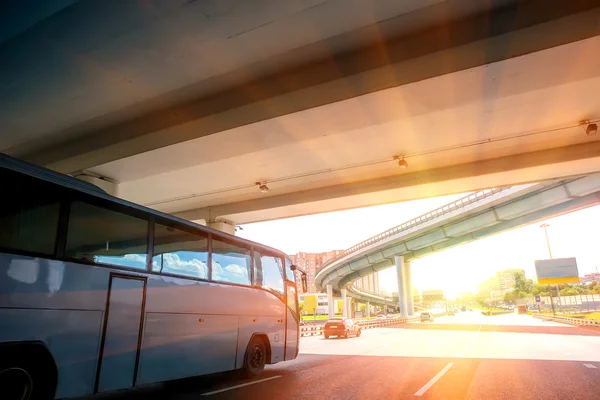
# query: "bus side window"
230 262
100 235
29 214
180 252
270 270
289 274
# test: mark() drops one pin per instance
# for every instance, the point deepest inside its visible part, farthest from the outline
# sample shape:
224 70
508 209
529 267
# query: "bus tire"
25 376
255 358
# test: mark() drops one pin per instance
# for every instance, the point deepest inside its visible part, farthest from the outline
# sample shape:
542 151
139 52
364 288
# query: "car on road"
426 317
341 327
381 316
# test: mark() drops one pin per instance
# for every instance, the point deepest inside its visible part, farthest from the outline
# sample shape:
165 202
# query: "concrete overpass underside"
184 106
456 225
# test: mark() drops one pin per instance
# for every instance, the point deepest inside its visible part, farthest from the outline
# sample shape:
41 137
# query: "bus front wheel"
256 357
22 380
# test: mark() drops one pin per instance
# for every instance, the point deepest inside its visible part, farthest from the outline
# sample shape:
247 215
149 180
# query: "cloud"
174 264
231 273
135 258
236 269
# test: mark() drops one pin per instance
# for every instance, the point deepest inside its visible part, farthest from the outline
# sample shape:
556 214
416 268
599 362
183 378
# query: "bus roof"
73 183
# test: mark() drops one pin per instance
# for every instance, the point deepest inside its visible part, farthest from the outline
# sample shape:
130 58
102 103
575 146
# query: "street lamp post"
545 226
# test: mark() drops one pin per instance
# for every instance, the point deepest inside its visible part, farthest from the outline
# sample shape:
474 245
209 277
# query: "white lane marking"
239 386
567 353
463 350
590 365
460 354
433 380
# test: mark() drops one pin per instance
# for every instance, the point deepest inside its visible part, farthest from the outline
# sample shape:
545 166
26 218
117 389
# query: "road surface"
468 356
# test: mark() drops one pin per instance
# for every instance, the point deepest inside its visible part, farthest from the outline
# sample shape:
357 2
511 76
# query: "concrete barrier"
568 320
488 313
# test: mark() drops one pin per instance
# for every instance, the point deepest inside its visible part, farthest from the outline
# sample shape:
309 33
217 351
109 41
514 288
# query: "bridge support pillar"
223 226
344 304
408 288
368 308
330 302
401 272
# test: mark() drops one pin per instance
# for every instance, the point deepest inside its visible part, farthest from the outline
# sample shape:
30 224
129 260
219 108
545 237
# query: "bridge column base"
410 303
330 302
344 304
400 272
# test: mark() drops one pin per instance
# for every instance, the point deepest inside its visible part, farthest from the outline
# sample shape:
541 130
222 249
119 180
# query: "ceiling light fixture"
401 162
263 187
590 129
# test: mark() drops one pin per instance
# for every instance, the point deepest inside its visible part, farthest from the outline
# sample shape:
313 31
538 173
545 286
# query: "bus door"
293 322
121 337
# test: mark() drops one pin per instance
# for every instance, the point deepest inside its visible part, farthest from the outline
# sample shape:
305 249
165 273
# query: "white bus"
98 294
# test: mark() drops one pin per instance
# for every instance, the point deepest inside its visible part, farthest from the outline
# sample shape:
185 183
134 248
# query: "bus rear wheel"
256 357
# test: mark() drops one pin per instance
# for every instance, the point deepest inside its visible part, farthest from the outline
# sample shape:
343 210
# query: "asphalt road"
468 356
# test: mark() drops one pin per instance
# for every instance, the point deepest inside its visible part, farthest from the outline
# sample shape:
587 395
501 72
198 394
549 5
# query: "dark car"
341 327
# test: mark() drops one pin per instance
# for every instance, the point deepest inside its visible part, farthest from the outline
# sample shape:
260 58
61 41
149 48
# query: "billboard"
557 270
432 295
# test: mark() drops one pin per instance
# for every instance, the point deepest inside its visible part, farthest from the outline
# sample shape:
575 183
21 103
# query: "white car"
426 316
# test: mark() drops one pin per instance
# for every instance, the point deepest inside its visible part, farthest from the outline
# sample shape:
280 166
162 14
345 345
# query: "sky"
455 270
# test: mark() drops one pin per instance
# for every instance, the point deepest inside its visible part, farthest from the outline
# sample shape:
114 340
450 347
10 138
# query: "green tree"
568 291
541 290
509 297
522 284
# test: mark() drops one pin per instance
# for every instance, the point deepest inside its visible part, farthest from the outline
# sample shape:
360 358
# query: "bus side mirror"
304 283
302 278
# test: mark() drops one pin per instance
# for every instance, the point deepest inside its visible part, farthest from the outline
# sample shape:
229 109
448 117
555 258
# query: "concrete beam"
223 226
515 169
574 204
514 30
570 206
108 186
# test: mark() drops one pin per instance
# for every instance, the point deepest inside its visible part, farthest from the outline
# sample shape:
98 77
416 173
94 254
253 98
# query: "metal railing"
316 330
431 215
